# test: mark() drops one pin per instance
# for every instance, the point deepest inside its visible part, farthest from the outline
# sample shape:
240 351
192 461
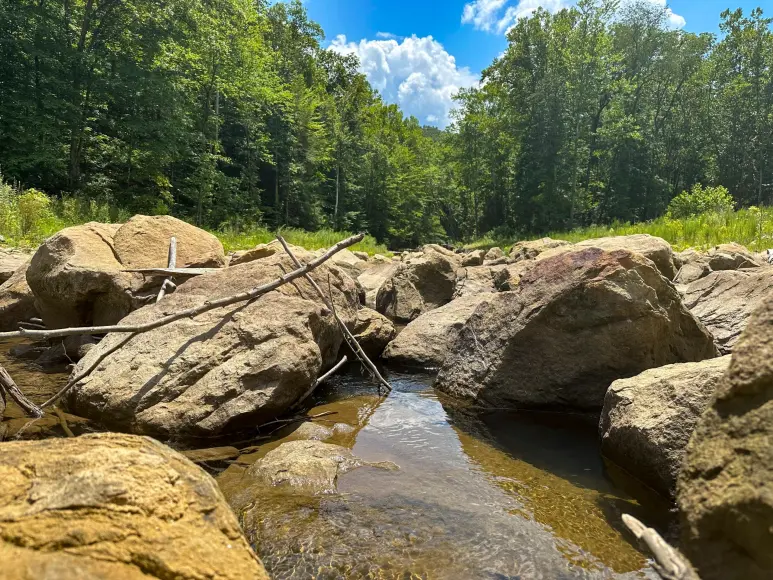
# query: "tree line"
230 113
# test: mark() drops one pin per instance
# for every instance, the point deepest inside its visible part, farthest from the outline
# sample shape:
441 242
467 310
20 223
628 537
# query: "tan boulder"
422 281
725 300
493 254
473 258
11 259
224 370
77 279
143 242
732 257
114 506
17 303
373 331
656 249
361 255
691 265
529 250
725 490
577 322
257 253
373 276
648 419
426 341
470 281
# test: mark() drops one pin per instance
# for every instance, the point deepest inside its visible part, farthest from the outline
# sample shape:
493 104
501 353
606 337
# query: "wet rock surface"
115 506
648 419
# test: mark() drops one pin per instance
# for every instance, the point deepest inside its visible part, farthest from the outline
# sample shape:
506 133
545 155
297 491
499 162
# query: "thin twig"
298 418
319 381
350 339
669 563
31 326
190 312
172 264
63 422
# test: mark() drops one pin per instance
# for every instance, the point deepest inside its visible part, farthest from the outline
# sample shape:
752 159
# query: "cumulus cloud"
501 15
417 73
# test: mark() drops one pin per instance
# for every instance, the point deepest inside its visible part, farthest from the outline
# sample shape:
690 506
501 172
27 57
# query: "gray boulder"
578 321
648 419
656 249
425 342
725 300
725 489
421 282
529 250
225 369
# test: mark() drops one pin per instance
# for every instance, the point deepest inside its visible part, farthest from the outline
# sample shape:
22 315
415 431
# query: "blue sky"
419 52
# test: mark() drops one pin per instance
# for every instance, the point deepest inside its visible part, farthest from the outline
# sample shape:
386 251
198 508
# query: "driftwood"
190 312
350 339
172 263
133 330
669 563
8 387
173 271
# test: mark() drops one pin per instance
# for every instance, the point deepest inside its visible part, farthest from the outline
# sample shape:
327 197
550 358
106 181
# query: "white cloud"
386 35
501 15
416 73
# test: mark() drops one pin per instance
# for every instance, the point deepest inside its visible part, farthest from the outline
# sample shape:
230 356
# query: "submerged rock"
648 419
309 466
223 370
578 321
724 301
17 303
656 249
422 282
425 342
115 506
725 490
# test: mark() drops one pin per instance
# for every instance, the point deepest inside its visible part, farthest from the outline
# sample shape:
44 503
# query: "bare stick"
172 263
172 271
190 312
299 418
32 326
8 386
669 563
355 346
319 381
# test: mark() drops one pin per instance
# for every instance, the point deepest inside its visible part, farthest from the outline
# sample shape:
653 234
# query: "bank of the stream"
478 495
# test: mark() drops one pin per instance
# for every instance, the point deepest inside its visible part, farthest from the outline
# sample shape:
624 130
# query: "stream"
478 494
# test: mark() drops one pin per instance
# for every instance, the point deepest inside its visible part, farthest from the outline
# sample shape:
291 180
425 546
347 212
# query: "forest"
232 114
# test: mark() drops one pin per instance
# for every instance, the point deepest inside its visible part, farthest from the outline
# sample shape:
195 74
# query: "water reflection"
475 497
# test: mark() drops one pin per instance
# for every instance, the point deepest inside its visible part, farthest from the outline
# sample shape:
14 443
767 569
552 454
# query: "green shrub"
700 200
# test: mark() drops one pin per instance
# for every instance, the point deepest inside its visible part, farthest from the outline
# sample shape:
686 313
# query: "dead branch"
190 312
669 563
172 271
319 381
63 422
350 339
8 386
172 263
298 419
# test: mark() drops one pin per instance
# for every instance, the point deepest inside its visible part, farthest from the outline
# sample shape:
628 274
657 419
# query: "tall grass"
240 240
751 227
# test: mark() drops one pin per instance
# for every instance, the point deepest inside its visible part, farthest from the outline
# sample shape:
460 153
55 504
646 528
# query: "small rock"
362 255
531 249
494 254
474 258
373 331
211 454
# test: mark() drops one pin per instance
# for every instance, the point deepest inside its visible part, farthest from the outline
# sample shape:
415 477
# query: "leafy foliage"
700 200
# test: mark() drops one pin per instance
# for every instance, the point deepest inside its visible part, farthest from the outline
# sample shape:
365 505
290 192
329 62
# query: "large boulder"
77 279
531 249
656 249
725 490
691 266
425 342
376 272
578 321
648 419
478 279
422 282
226 369
11 259
115 506
143 242
373 332
17 303
725 300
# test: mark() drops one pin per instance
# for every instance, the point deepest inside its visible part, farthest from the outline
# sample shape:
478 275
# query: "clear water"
478 495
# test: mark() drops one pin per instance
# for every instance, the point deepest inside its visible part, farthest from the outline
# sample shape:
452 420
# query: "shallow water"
491 495
478 495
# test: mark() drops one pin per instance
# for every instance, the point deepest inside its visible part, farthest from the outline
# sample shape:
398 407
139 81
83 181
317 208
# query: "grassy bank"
751 227
29 217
